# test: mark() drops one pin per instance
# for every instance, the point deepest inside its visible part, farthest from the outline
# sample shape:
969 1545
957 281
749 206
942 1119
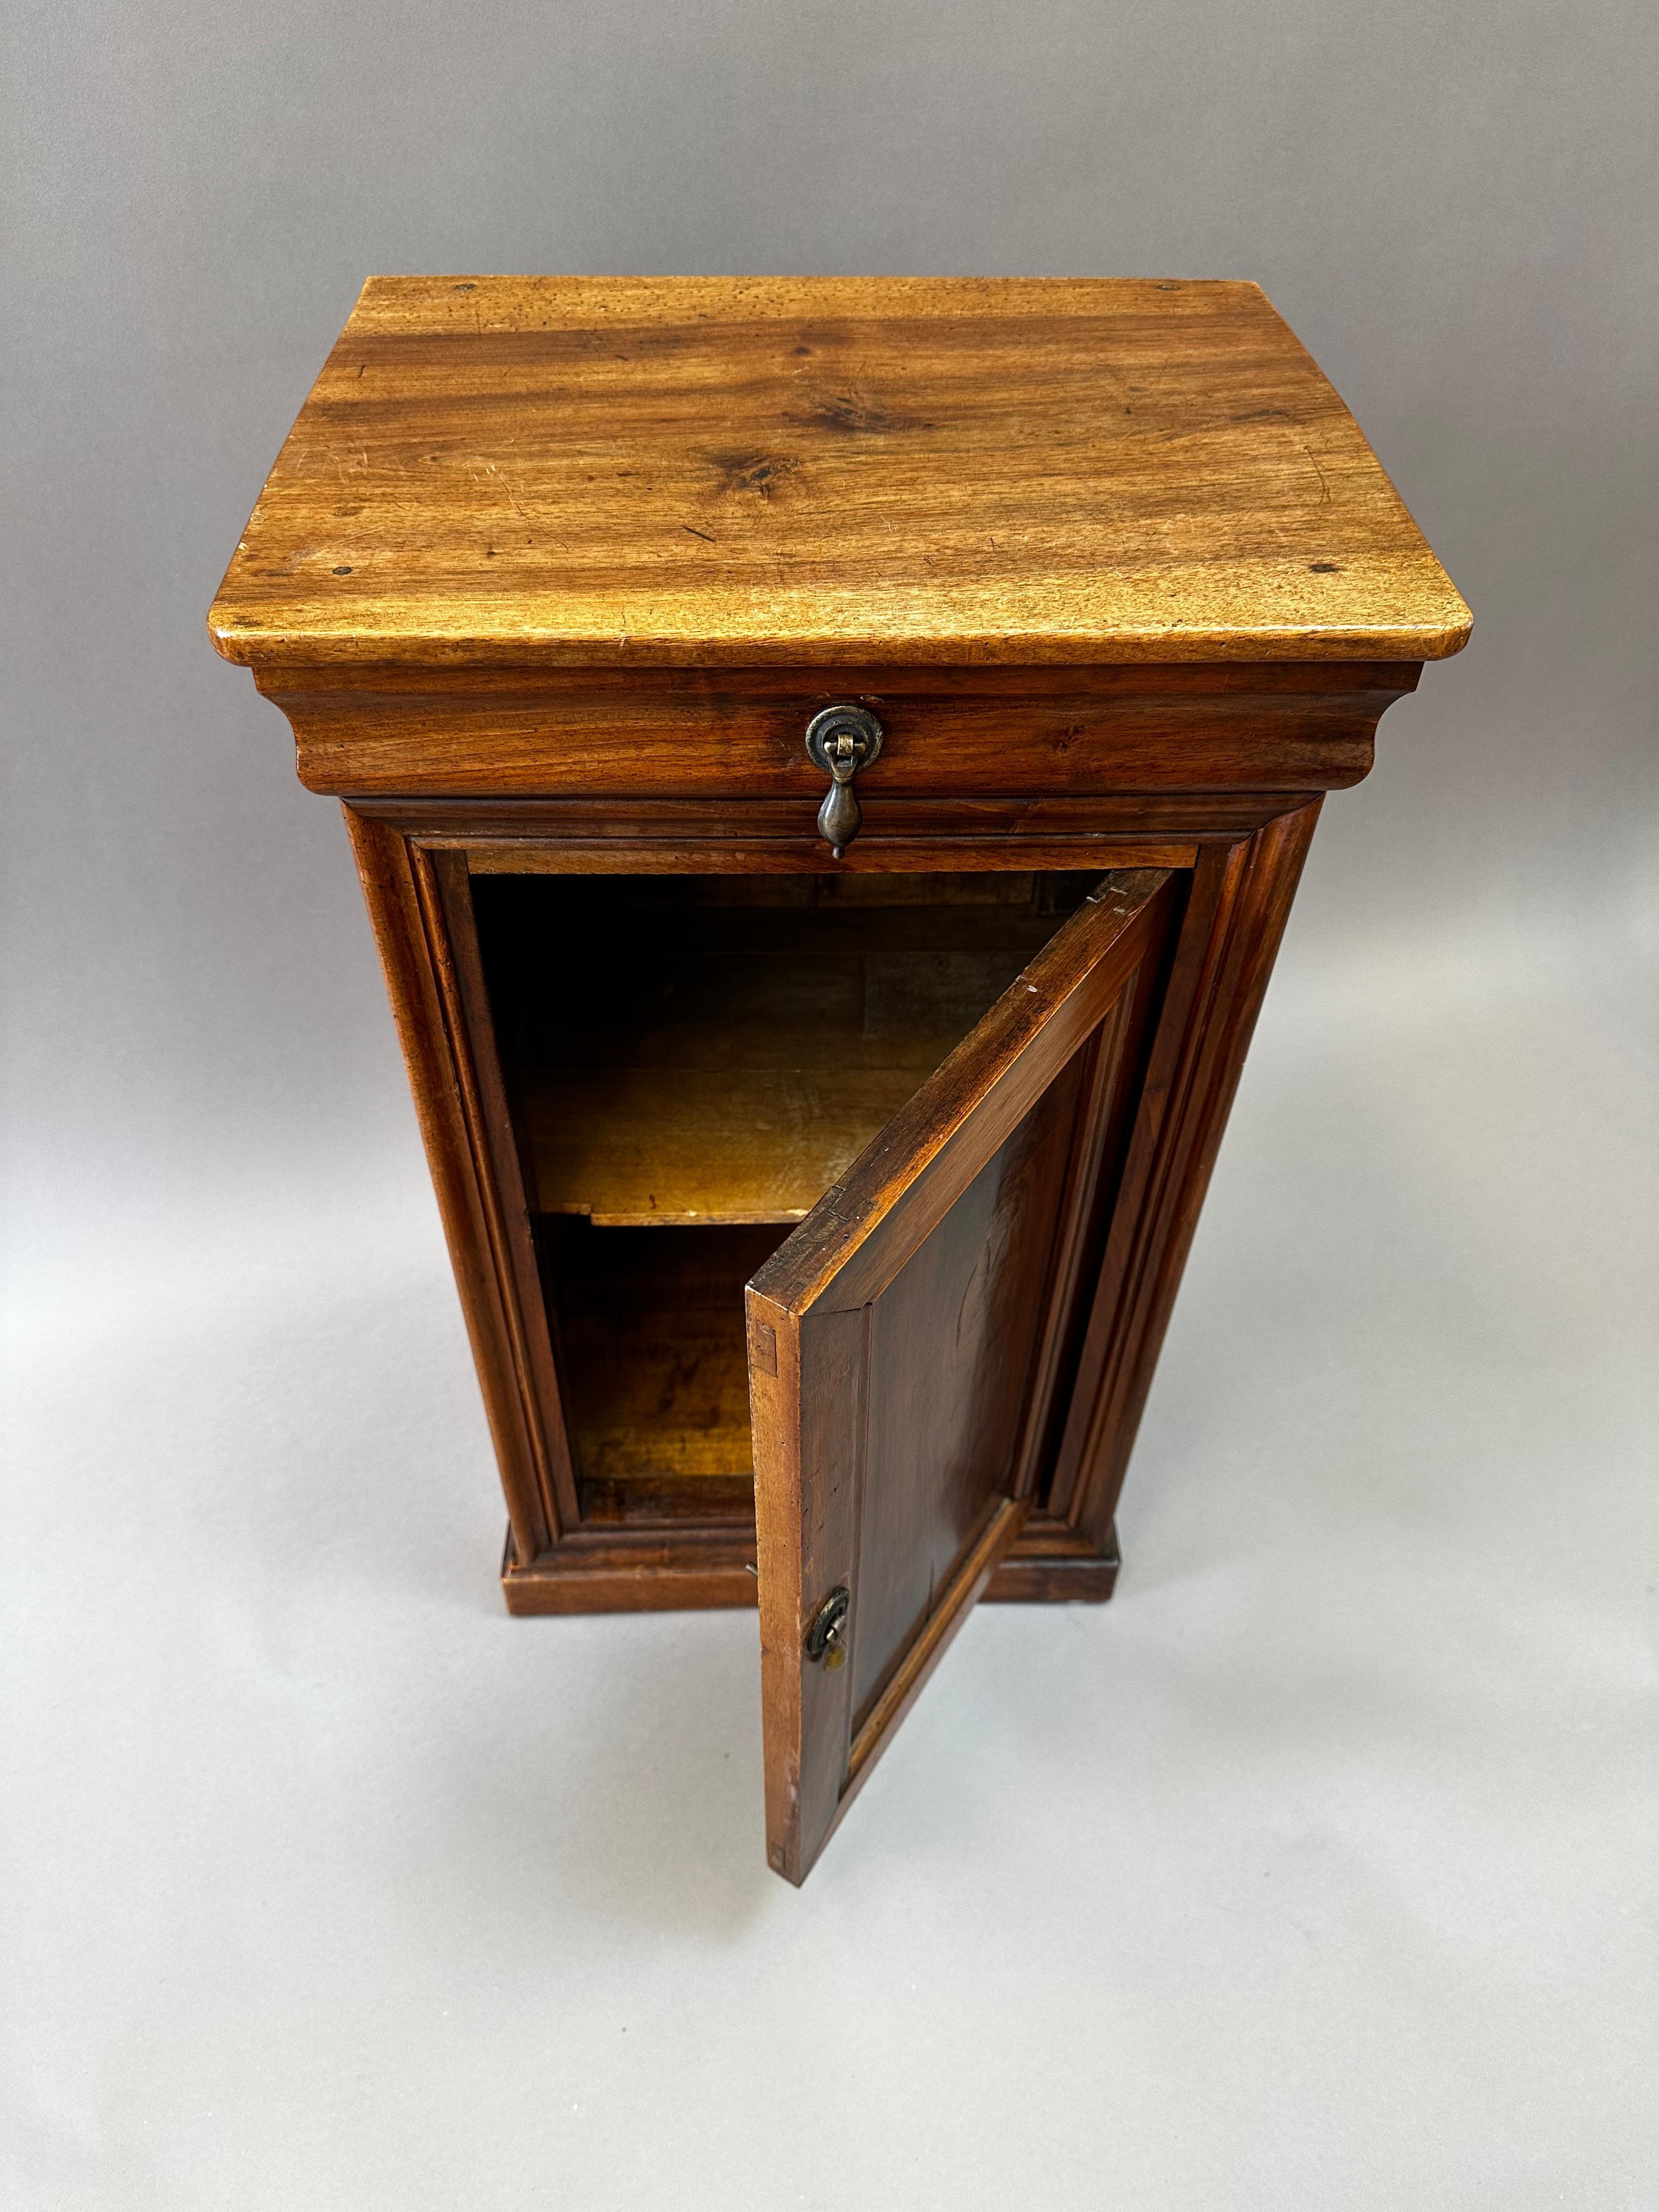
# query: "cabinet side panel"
385 870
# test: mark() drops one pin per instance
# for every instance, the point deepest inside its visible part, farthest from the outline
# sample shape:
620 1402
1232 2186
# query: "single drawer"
739 734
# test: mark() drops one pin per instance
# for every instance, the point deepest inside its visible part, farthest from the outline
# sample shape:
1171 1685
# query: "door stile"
806 1547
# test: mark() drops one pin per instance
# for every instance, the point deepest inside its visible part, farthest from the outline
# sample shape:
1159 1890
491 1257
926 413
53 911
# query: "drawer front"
740 735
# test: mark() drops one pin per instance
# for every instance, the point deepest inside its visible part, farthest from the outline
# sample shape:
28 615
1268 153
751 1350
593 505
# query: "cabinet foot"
1052 1564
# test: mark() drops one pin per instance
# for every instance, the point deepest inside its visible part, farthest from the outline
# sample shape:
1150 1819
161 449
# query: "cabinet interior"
690 1063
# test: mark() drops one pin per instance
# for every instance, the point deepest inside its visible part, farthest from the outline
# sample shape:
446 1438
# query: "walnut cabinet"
819 1130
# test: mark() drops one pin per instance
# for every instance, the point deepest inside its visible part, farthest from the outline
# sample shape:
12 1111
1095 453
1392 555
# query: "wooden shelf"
635 1147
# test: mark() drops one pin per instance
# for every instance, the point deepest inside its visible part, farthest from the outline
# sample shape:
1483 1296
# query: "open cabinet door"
899 1342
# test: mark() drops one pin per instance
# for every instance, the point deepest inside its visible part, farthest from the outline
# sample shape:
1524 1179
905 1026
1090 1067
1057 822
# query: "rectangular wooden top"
736 470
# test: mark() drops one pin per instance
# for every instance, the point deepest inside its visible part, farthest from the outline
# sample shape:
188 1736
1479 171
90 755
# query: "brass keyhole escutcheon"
825 1639
841 740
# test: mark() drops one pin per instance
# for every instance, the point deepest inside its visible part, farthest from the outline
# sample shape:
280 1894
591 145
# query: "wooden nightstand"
606 606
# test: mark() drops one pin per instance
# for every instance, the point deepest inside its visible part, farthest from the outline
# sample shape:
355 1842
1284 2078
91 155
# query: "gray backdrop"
1317 1868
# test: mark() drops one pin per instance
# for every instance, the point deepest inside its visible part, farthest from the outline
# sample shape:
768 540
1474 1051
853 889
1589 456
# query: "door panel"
895 1340
947 1355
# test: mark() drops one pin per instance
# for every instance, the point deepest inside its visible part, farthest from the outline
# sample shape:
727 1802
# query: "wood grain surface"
584 471
731 734
549 578
895 1340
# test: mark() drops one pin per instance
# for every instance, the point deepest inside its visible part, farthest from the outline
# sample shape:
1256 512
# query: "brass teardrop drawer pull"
841 740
